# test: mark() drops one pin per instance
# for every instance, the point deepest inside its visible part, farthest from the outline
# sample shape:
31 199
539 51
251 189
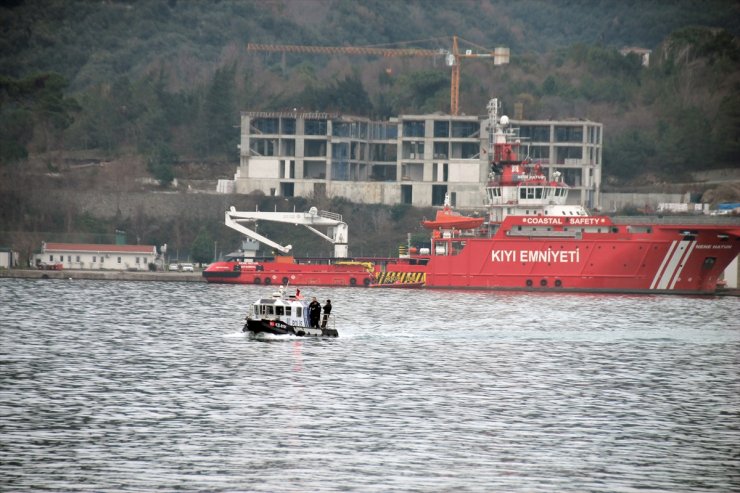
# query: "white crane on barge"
337 230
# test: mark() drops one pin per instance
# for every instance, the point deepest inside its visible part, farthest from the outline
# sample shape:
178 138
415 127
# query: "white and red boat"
286 315
531 240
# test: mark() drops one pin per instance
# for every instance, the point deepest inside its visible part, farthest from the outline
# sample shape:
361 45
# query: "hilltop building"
409 159
643 53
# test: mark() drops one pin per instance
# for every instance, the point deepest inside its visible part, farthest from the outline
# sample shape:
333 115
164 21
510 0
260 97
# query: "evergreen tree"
218 135
34 103
202 247
160 162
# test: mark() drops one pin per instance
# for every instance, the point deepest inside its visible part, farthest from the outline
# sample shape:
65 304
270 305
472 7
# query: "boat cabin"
288 309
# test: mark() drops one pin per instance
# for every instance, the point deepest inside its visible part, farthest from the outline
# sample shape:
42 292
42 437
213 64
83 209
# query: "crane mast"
453 57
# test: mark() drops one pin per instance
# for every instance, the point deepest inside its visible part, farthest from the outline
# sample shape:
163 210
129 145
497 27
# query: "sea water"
139 386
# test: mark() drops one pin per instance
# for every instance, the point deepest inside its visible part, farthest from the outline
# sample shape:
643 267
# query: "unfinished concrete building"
410 159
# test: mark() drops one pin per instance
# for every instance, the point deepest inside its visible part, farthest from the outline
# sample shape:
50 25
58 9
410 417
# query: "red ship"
531 240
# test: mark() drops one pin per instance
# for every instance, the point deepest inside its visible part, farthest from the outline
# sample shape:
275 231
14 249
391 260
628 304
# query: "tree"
218 135
201 249
628 154
30 104
159 164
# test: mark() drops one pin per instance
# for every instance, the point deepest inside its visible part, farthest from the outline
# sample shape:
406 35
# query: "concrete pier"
102 275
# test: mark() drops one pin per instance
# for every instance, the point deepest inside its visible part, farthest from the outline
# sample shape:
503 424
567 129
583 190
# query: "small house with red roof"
96 257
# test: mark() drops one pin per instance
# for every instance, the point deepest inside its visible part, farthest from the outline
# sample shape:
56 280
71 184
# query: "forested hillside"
160 83
167 79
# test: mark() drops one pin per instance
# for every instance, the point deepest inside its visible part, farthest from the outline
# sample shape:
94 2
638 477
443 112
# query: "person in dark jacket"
327 312
314 312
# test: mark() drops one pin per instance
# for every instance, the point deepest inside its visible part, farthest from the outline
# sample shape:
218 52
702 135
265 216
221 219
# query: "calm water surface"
124 386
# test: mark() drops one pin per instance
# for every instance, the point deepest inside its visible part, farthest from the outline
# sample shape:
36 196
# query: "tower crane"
453 57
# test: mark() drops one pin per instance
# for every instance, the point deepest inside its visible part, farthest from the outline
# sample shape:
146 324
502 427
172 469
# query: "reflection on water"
141 386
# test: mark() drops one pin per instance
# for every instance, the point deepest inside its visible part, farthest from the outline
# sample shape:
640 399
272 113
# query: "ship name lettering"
503 255
543 220
586 221
558 256
564 256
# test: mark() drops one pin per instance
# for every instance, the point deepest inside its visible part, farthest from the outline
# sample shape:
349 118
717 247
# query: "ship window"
530 193
270 310
279 310
522 193
299 311
287 311
538 192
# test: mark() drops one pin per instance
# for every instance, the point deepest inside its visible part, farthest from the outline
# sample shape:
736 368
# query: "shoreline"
102 275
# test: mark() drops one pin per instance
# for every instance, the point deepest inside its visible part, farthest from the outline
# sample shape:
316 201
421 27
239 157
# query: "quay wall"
101 275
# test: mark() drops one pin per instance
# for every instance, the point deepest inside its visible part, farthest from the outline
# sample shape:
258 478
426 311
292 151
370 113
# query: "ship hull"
280 328
670 259
662 261
279 273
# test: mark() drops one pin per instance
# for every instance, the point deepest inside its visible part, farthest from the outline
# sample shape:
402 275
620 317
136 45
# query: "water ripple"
115 386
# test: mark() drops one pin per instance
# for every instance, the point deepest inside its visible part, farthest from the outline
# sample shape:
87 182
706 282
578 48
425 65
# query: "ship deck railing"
671 220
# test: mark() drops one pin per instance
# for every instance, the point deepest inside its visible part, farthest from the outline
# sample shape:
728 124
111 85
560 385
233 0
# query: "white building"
92 256
8 258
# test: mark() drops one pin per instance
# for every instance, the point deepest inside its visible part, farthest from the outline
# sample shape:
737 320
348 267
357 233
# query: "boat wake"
266 336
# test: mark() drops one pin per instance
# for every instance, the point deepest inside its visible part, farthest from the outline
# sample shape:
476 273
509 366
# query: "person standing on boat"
314 312
327 311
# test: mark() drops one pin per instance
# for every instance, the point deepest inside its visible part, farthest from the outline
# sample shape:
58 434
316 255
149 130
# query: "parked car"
174 267
187 267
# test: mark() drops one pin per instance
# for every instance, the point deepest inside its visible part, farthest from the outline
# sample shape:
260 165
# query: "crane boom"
337 233
453 58
353 50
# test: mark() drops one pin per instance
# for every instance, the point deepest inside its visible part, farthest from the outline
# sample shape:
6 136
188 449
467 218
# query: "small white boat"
285 315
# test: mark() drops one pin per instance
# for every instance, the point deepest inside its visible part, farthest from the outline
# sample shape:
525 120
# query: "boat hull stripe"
662 264
673 264
682 264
